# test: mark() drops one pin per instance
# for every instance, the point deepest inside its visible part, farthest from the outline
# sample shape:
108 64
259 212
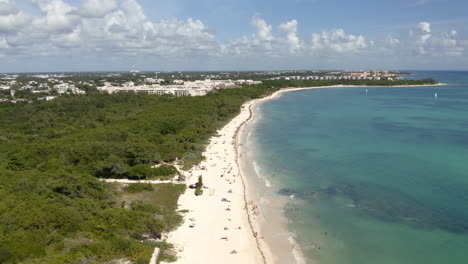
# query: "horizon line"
218 71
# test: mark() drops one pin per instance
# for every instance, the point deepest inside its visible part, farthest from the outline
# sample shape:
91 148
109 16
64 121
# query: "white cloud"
290 29
422 33
263 29
424 27
337 41
58 16
391 42
62 28
7 8
70 40
428 43
120 29
448 44
11 18
262 42
98 8
3 43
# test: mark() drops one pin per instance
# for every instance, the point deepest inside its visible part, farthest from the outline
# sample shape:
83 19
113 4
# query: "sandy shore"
224 231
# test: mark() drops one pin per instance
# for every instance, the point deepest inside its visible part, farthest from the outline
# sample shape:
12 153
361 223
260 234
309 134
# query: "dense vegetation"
52 207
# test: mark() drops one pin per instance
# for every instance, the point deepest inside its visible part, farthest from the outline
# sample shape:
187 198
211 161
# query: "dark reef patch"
388 205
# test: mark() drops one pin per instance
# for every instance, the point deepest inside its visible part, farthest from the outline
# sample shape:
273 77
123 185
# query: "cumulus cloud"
11 18
423 32
7 8
58 16
261 42
264 43
121 29
129 29
423 28
337 41
98 8
428 43
391 42
448 44
69 40
286 42
263 29
290 29
100 27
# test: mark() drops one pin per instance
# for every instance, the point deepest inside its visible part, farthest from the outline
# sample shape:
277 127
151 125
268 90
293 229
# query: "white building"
150 80
39 91
62 88
195 88
65 87
129 84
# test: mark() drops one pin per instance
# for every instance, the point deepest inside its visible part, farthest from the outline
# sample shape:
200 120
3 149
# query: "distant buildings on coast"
361 75
48 86
178 87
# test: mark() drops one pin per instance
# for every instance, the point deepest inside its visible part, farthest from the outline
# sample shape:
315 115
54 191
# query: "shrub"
164 170
198 191
138 187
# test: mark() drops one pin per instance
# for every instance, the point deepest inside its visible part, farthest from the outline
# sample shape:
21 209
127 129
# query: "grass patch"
138 188
159 199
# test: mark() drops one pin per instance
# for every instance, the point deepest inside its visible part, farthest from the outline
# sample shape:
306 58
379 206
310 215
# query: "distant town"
48 86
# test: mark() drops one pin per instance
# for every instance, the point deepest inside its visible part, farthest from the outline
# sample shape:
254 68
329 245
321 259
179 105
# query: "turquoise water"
376 177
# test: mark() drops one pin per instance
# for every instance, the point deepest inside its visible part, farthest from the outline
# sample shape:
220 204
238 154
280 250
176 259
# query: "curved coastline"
241 132
202 244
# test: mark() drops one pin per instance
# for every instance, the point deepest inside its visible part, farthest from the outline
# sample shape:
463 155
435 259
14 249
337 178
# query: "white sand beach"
224 231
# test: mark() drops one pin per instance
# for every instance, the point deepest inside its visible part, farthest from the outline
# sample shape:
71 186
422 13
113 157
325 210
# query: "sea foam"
258 171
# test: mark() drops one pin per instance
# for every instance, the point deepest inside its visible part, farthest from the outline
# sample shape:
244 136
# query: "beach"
224 225
224 231
226 218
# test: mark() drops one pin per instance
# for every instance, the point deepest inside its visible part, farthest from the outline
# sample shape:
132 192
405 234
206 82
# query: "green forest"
53 209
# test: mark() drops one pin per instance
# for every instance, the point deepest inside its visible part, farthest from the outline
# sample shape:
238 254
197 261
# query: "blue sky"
365 16
81 35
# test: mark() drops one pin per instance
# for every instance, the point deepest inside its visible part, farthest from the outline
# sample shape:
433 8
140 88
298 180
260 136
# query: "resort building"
189 88
63 88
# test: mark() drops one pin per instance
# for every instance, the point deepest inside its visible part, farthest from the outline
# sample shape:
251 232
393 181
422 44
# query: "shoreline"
237 239
223 231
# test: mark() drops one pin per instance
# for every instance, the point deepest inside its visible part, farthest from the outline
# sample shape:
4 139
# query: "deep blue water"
376 177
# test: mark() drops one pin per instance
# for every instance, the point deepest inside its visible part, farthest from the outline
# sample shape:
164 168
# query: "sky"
199 35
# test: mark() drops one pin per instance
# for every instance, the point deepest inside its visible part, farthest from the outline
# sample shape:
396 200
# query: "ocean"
368 175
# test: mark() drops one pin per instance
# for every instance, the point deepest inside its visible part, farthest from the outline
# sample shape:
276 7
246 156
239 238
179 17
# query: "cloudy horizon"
114 35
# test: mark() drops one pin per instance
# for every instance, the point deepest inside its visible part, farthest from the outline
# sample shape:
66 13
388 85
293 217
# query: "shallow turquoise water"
377 177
